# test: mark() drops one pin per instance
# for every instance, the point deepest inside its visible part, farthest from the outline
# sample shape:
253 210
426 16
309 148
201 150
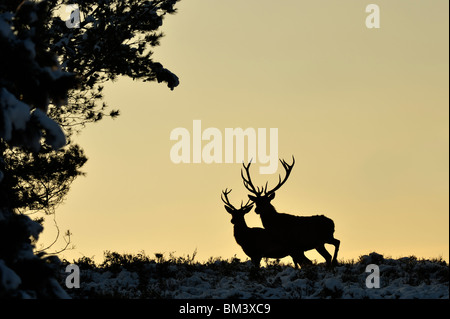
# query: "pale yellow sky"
364 112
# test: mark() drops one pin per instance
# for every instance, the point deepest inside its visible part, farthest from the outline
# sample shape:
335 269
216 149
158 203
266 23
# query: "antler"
227 201
260 191
248 182
288 169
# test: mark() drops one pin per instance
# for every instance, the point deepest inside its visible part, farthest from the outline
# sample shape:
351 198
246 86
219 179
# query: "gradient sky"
364 112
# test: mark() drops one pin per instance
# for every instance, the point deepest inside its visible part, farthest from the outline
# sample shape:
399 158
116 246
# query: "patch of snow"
5 24
333 284
34 228
31 47
16 113
399 279
9 280
57 290
55 135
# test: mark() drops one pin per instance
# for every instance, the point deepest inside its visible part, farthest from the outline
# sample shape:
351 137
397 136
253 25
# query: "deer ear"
252 198
228 209
271 196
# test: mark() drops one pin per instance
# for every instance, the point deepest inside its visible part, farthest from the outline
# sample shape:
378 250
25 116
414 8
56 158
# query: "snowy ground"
138 276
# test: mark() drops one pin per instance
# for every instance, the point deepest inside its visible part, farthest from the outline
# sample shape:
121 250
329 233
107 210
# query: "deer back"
304 231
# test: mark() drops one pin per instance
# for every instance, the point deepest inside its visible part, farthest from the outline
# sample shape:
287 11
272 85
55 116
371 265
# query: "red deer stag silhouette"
295 232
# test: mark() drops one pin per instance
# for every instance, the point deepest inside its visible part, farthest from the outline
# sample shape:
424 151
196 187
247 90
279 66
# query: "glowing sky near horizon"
364 112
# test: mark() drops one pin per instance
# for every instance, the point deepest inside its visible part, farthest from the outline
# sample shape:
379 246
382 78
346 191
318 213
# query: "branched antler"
288 169
226 201
248 181
263 190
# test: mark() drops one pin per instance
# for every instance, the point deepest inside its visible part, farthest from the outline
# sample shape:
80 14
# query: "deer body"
257 244
295 232
306 232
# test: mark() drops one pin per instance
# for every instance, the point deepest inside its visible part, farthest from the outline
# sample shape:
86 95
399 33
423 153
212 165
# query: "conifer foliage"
50 87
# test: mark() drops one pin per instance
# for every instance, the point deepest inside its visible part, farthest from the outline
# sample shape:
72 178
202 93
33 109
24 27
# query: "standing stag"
257 242
296 232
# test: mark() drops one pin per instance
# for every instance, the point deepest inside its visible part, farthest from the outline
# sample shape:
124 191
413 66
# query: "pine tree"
51 80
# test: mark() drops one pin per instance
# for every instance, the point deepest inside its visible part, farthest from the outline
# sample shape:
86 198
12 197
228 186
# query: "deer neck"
268 214
241 237
268 210
240 225
240 229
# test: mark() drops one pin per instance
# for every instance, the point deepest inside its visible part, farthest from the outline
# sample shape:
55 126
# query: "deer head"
237 213
261 196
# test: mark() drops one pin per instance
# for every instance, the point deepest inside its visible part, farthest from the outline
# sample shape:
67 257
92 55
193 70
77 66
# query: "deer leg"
302 259
297 259
335 242
296 263
325 254
256 262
